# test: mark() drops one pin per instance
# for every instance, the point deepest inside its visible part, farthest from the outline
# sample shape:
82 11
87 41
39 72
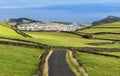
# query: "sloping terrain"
110 31
108 19
7 32
97 65
61 39
18 61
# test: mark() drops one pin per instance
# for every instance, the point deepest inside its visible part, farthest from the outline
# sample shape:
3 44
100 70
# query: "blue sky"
80 11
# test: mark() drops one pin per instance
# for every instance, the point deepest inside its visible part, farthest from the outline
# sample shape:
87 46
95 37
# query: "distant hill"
108 19
18 21
66 23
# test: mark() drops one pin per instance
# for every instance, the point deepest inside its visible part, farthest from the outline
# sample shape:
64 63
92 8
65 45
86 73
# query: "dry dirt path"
58 65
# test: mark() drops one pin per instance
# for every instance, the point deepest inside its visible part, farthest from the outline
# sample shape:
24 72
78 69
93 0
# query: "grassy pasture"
18 61
94 29
7 32
60 39
110 46
51 38
97 65
114 24
108 36
112 53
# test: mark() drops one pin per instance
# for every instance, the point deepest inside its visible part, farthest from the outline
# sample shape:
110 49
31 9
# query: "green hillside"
7 32
97 65
18 61
110 31
60 39
114 24
110 27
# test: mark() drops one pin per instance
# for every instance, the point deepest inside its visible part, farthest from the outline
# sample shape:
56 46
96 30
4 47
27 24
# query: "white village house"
48 27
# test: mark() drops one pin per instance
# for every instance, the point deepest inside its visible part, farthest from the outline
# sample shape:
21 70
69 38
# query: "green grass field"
112 53
7 32
115 24
50 38
61 39
110 46
97 65
108 36
95 30
18 61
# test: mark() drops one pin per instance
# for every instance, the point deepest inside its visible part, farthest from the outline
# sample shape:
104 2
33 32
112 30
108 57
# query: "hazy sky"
81 11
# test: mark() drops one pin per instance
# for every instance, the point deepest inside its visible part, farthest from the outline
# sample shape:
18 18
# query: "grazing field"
97 65
110 46
108 36
50 38
61 39
104 28
7 32
18 61
112 53
114 24
95 30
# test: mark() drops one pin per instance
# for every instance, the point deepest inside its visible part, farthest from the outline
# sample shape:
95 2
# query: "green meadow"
18 61
61 39
109 27
14 59
112 53
7 32
97 65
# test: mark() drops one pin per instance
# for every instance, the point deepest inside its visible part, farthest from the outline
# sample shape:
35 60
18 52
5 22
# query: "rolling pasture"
18 61
97 65
61 39
7 32
14 61
109 27
105 31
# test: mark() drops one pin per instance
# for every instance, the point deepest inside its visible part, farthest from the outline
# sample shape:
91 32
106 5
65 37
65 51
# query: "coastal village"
48 26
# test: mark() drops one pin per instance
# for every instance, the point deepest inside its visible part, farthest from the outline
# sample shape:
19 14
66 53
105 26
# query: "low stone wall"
43 46
23 41
106 39
98 53
41 65
84 35
107 27
80 64
21 33
25 45
104 43
97 33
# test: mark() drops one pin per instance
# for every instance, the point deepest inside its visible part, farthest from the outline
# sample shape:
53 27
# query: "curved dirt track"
58 65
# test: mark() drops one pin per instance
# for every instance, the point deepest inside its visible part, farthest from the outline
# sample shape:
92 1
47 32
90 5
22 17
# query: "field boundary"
74 65
98 53
21 33
45 46
46 66
40 70
104 43
99 33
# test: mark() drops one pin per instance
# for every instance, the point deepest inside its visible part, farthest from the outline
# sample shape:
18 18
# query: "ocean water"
86 13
